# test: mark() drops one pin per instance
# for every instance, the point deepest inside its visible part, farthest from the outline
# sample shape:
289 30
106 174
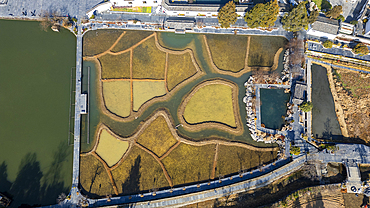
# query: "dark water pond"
273 107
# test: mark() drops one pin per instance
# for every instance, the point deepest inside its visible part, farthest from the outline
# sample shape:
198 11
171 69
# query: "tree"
294 150
360 49
296 19
227 15
328 44
325 5
306 106
262 15
341 18
335 12
313 16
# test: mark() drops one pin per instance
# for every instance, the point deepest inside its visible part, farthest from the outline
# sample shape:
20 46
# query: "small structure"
353 176
55 28
83 103
324 27
180 24
299 93
346 28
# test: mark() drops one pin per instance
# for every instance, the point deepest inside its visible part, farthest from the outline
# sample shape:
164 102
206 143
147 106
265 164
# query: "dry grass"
211 103
98 41
110 149
187 163
231 159
115 66
157 137
228 51
354 82
146 90
138 172
129 39
180 68
93 177
262 50
148 61
117 97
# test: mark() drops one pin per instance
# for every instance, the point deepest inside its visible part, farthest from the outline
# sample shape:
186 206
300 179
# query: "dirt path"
170 150
108 172
215 162
247 54
165 73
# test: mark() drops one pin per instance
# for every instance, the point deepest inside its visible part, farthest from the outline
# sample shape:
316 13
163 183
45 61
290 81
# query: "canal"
35 76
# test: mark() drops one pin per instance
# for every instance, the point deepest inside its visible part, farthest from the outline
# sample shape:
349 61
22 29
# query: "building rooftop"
326 25
299 93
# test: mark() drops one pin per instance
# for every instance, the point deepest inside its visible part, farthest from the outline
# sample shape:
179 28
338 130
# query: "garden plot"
115 66
117 97
110 149
180 68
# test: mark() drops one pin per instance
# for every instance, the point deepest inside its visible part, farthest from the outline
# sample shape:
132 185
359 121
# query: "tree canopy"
335 12
361 49
313 16
306 106
262 15
227 15
296 19
328 44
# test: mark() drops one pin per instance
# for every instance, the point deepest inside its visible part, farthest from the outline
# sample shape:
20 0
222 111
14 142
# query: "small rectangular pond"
273 107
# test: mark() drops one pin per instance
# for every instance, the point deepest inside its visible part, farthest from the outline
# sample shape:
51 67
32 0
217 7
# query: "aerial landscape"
185 103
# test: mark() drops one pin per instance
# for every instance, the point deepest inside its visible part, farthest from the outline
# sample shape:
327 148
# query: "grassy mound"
228 51
117 97
211 103
110 149
157 137
93 177
148 61
187 163
180 67
98 41
115 66
138 172
262 50
146 90
231 159
130 39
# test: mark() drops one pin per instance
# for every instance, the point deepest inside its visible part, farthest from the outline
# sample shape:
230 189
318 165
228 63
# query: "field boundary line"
215 161
170 150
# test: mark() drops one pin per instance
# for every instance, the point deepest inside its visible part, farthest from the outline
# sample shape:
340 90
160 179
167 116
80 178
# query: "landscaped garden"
167 117
263 50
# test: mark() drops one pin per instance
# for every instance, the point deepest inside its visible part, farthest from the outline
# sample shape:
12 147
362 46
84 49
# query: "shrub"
360 49
74 19
92 17
341 18
306 106
295 150
354 22
328 44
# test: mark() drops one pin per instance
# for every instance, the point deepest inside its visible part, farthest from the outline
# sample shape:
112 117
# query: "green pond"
35 73
273 107
324 119
126 129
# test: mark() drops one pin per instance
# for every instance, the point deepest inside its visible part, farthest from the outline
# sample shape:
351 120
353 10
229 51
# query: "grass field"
134 9
180 67
138 172
95 42
187 163
117 97
93 177
146 90
110 149
211 103
228 51
231 159
262 50
148 61
115 66
354 82
157 137
130 38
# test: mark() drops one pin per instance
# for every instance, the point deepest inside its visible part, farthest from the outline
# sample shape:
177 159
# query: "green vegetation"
139 171
187 163
354 22
148 61
130 39
341 18
318 3
325 5
146 90
94 44
227 15
296 19
262 15
211 103
115 66
180 68
360 49
328 44
228 51
306 106
313 16
157 137
232 159
331 147
117 97
262 50
93 177
110 149
294 150
335 12
133 9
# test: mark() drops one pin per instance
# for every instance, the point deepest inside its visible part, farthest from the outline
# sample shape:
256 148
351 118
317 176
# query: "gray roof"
299 93
326 25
